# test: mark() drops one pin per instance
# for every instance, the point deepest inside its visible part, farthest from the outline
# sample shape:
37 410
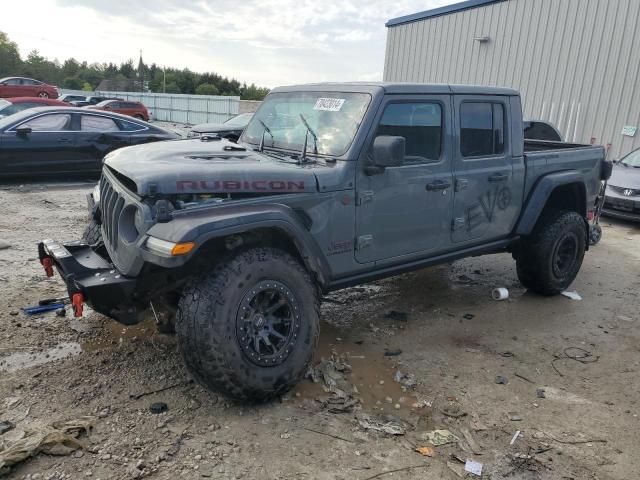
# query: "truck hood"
213 166
625 177
214 127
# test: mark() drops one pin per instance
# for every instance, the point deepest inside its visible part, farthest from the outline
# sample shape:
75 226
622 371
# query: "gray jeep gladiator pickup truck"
329 186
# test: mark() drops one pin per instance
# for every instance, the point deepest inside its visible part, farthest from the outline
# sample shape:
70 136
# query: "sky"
266 42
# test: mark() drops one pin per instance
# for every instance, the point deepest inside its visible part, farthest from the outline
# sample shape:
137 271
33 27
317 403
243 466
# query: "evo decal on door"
484 209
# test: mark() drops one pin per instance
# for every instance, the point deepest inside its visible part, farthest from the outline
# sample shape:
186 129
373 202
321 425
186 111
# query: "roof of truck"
399 88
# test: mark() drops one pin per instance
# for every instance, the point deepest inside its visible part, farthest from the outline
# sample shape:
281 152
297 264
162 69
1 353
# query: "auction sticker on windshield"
329 104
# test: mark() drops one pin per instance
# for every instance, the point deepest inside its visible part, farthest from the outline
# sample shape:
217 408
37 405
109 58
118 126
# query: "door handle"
64 140
498 177
438 185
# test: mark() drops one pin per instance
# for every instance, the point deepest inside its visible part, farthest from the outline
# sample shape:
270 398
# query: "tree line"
76 75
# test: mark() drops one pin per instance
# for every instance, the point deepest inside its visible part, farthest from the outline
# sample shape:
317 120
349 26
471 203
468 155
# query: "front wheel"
250 327
549 259
43 95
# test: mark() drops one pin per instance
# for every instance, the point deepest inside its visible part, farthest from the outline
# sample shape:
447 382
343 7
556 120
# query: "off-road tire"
206 325
538 261
92 233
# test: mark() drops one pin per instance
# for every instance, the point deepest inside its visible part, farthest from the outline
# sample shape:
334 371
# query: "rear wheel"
549 259
250 327
43 95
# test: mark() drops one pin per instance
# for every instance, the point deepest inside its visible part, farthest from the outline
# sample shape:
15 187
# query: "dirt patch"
447 335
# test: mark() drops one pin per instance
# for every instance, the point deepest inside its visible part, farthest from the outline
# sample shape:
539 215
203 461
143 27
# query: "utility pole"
164 79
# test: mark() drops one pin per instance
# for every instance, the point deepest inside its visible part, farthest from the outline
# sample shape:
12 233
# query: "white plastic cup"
500 294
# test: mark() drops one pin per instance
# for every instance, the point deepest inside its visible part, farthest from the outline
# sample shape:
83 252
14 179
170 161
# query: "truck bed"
543 157
543 145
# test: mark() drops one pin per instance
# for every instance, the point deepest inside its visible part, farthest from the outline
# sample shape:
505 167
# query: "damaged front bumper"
91 279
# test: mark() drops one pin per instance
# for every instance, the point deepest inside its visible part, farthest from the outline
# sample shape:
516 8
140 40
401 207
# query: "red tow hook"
47 263
77 301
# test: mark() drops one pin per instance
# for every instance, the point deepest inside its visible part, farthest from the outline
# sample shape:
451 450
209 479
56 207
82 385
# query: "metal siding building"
576 62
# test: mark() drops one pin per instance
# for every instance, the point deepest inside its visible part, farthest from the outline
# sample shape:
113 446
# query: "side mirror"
23 130
388 151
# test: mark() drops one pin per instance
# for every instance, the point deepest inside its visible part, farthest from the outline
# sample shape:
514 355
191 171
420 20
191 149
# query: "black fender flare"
540 194
202 225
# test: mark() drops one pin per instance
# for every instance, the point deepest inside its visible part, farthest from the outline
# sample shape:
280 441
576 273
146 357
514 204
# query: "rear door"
404 211
98 135
48 149
486 195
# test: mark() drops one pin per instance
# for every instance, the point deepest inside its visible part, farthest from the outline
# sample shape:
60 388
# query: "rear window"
482 129
94 123
130 126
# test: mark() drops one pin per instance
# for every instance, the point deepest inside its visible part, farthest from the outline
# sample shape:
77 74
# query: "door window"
482 129
94 123
12 81
420 124
49 123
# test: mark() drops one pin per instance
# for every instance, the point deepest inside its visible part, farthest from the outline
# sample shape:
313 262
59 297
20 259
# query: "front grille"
627 192
111 204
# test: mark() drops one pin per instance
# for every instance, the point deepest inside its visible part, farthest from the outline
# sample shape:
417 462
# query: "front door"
485 205
47 149
406 210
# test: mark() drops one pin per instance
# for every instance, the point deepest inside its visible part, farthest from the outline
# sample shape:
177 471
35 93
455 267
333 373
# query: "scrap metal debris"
332 373
59 438
440 437
407 380
386 425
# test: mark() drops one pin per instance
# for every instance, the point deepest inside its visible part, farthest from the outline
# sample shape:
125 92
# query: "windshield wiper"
267 130
303 158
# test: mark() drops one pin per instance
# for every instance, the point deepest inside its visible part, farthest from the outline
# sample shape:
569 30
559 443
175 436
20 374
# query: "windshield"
10 109
239 120
632 160
333 116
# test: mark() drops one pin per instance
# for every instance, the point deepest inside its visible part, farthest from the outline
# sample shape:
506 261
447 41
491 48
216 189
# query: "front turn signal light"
164 247
182 248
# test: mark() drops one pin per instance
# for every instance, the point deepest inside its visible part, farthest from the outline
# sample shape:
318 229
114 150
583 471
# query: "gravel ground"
440 324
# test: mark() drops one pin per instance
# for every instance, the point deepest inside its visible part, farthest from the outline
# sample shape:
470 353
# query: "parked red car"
26 87
17 104
125 107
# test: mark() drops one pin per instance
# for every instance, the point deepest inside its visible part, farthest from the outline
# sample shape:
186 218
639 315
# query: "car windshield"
334 117
9 109
239 120
632 160
103 103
